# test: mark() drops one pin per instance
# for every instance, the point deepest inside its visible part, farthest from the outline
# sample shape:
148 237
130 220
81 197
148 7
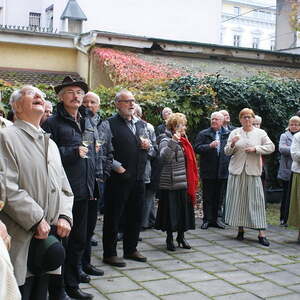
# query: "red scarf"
191 169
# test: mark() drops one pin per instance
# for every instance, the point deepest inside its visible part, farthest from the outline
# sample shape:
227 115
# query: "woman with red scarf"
178 182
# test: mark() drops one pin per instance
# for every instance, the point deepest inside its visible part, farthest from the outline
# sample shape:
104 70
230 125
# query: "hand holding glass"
87 139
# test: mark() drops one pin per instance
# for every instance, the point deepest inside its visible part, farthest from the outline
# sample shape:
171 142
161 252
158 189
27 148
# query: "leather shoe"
77 293
136 255
204 225
218 225
83 277
263 241
240 236
91 270
114 261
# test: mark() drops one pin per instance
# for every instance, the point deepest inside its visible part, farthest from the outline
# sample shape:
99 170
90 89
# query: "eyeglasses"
128 101
73 93
34 93
247 117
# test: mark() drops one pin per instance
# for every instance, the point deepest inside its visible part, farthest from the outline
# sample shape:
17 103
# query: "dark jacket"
212 164
127 149
68 136
160 129
105 154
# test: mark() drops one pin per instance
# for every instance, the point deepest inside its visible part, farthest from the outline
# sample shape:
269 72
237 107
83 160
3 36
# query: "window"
236 40
272 45
237 10
255 42
34 20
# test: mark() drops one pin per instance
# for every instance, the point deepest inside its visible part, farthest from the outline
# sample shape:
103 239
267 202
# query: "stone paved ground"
217 267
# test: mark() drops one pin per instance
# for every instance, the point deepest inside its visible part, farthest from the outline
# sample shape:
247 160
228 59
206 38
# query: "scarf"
191 169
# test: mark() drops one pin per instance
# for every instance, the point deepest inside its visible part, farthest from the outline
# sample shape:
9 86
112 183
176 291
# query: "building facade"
248 23
198 21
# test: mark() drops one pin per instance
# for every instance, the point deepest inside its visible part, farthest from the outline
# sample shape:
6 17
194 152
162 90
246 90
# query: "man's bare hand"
83 151
42 230
63 228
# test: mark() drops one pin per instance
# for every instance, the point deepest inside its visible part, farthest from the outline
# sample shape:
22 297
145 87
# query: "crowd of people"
59 171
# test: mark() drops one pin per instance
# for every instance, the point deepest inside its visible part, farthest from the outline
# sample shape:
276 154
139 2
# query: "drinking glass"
87 139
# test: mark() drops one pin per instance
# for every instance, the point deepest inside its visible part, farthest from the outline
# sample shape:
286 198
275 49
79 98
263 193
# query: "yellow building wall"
83 65
229 8
38 57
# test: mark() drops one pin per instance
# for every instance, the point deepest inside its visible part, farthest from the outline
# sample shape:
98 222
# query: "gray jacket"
285 163
173 173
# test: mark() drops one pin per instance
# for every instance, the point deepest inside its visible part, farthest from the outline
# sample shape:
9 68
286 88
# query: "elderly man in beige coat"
39 196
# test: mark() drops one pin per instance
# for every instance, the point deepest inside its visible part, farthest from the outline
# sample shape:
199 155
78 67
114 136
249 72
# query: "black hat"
69 81
45 255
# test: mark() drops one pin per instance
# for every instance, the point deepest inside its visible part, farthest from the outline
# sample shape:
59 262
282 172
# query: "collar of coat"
29 129
83 111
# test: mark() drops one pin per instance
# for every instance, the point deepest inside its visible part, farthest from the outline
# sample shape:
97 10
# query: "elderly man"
39 197
124 191
162 127
226 122
48 111
210 145
104 162
70 126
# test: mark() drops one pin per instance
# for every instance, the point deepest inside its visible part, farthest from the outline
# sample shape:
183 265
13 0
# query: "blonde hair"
175 119
294 119
246 111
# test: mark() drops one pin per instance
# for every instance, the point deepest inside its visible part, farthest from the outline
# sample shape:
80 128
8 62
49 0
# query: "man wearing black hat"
72 129
39 197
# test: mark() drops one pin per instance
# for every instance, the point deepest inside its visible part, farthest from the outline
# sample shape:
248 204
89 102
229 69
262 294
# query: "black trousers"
212 194
122 199
35 288
91 224
285 201
76 243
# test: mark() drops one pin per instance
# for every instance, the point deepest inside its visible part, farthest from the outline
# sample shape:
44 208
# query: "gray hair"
120 93
49 103
17 94
258 119
217 113
138 110
92 94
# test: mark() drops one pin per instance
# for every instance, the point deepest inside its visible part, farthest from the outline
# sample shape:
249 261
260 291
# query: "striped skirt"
245 203
294 212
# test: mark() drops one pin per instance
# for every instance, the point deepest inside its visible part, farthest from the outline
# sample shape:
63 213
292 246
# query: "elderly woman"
294 215
178 182
285 164
245 205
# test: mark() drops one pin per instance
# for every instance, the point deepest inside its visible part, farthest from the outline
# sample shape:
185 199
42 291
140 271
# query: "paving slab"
186 296
191 275
286 297
283 278
165 287
274 259
293 268
257 267
238 277
215 249
215 287
170 265
215 266
145 274
238 296
116 284
234 258
132 295
265 289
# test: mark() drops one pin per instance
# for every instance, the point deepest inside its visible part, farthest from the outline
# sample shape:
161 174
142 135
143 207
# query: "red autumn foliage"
125 67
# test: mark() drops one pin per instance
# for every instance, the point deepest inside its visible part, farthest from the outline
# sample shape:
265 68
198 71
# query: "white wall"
190 20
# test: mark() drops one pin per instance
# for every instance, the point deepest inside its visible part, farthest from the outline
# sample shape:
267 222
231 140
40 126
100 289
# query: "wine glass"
87 139
143 135
100 140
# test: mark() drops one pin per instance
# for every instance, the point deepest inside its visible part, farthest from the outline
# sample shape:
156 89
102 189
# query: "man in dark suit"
68 126
210 145
226 122
124 191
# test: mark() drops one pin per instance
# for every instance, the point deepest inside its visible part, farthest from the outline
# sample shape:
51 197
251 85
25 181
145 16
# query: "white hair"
217 113
258 119
17 94
92 94
48 103
120 93
138 110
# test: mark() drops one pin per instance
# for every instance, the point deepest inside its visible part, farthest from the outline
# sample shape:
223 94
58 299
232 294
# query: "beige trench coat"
36 187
